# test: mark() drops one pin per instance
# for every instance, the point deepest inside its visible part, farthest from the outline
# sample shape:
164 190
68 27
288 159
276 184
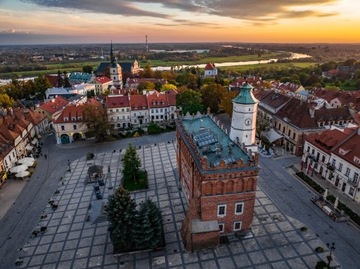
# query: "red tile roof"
326 140
210 66
71 113
102 80
117 101
350 148
54 105
138 102
296 113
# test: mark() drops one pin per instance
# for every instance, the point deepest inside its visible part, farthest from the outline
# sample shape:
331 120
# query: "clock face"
247 122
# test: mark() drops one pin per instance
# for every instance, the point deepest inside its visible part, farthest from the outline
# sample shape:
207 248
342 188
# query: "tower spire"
112 54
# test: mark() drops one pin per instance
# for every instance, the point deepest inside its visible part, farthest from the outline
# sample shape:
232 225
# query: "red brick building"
219 180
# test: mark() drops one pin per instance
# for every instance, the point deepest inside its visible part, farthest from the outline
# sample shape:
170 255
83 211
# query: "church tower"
115 71
243 122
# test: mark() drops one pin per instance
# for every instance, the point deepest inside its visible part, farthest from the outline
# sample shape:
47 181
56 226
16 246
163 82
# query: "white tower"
115 71
243 122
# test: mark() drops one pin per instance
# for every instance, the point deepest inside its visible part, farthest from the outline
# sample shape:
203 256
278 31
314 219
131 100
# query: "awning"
271 135
34 142
28 147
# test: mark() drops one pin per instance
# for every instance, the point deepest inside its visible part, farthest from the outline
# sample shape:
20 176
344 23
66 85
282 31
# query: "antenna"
146 45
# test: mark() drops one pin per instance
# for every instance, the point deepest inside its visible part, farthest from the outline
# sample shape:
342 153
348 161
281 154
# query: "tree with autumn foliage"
226 101
96 119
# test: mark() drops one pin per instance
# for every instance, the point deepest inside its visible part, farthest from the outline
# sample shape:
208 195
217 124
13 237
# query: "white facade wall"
119 117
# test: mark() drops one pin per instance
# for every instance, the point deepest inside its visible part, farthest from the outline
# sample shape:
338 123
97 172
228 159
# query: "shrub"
90 156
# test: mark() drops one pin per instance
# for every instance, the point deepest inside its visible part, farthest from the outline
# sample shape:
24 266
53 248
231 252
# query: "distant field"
53 68
241 68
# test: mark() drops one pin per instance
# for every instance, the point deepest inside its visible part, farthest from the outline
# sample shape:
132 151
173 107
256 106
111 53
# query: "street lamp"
331 247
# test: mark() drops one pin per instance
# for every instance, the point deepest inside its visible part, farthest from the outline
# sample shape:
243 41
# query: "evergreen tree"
131 163
60 80
147 229
121 216
66 81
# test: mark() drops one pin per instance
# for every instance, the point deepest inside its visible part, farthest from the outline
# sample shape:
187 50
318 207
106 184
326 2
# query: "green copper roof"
212 142
245 96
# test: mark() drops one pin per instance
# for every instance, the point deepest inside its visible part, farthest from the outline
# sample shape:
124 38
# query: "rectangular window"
237 226
351 191
333 162
221 210
221 227
239 208
356 178
74 127
340 167
347 173
62 127
323 158
308 149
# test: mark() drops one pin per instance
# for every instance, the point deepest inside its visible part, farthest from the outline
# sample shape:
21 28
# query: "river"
293 56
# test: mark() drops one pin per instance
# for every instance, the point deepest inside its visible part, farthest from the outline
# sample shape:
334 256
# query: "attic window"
73 118
66 119
356 159
343 151
79 118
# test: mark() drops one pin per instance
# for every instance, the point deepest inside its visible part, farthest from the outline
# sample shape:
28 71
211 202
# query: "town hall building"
218 174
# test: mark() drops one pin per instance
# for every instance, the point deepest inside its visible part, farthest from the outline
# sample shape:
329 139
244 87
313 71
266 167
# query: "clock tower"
243 122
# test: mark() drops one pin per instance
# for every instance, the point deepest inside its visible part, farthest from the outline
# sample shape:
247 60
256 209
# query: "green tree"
41 85
5 100
168 87
60 80
131 164
190 101
97 121
87 69
147 229
66 81
211 96
226 101
148 86
121 215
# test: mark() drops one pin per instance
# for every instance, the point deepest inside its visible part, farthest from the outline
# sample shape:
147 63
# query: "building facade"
219 180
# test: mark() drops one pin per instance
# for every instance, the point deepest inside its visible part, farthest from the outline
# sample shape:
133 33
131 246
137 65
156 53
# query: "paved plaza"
76 231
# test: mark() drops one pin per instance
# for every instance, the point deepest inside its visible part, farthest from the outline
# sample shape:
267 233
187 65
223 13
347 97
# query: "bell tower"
243 122
115 71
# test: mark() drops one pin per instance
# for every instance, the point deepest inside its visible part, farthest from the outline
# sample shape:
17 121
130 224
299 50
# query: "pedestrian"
45 156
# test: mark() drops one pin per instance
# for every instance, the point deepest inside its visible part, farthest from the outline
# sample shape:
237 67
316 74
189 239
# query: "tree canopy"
96 119
121 214
190 101
131 163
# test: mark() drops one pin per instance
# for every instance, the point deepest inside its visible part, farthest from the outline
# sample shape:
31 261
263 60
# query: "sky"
125 21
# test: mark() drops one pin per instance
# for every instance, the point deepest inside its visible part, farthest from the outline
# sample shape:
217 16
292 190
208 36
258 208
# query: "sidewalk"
10 190
334 191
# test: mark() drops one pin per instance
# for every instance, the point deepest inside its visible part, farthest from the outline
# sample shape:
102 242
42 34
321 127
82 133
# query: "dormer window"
73 118
356 159
66 119
343 151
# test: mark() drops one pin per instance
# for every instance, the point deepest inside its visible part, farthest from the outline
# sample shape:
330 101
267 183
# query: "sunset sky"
124 21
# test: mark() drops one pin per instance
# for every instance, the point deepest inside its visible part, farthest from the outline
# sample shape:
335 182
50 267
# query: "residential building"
102 84
335 156
118 109
52 108
210 70
70 126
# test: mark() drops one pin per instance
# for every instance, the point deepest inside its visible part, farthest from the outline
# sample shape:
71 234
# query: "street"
293 198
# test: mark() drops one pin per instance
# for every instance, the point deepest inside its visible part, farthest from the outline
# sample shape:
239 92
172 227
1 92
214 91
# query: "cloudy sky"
125 21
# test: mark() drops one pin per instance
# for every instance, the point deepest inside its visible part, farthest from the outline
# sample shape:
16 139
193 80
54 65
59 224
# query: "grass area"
242 68
140 184
52 68
206 60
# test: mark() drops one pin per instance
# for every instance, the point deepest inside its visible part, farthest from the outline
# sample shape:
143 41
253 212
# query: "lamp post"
331 247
